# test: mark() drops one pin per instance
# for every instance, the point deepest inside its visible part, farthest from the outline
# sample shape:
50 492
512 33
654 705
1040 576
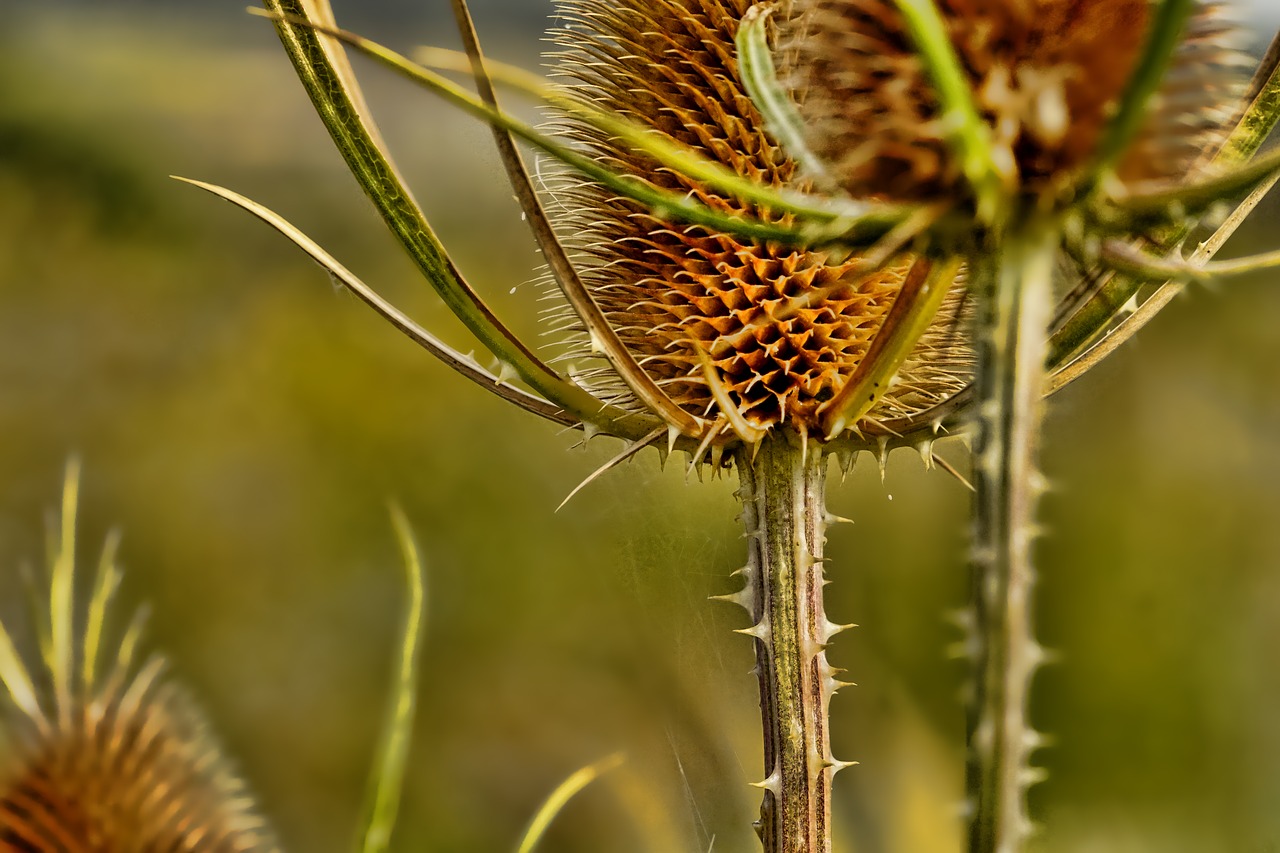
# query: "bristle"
784 328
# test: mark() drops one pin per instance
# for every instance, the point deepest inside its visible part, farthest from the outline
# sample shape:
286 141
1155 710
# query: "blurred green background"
245 424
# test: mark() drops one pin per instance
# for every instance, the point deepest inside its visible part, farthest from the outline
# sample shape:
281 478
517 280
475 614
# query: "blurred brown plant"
108 752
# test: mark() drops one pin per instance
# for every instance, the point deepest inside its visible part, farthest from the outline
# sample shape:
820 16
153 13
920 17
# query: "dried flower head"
784 327
1046 76
115 757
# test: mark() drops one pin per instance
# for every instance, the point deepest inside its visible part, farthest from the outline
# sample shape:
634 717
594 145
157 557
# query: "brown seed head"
132 768
783 327
1046 75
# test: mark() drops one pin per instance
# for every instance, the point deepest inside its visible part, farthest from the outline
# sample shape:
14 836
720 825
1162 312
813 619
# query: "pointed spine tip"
771 783
743 598
760 631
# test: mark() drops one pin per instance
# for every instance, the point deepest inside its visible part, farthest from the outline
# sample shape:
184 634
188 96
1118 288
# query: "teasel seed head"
782 328
109 758
1046 76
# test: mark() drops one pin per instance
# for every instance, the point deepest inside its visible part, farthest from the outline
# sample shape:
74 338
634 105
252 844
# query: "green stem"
782 498
1014 289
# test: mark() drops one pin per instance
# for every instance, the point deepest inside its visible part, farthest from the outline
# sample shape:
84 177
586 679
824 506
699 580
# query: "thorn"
742 598
505 373
717 457
836 766
1042 656
760 631
882 456
829 629
961 617
673 435
1029 776
925 449
772 783
831 518
846 459
1033 740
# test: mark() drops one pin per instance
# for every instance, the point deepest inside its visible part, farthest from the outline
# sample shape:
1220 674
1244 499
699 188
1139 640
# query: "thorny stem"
782 499
1014 288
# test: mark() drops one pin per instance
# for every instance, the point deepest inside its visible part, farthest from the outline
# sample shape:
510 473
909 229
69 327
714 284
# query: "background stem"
1014 288
782 498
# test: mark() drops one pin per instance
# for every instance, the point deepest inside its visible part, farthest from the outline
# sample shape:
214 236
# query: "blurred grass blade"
356 140
387 781
16 679
455 360
560 797
62 592
104 588
760 78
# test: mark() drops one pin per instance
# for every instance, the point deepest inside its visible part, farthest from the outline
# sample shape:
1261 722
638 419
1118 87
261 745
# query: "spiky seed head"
110 758
783 327
1046 75
133 768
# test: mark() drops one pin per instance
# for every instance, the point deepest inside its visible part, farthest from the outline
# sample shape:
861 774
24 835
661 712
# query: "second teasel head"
1047 77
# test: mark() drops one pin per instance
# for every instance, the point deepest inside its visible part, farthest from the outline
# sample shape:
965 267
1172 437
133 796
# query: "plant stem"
1013 284
782 499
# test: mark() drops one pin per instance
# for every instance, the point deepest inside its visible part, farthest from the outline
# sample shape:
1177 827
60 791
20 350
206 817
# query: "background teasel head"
1047 78
105 751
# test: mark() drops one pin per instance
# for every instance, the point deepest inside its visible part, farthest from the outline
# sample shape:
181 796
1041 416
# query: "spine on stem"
1014 288
785 519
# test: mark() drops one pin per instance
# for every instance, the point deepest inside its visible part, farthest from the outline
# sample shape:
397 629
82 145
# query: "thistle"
828 226
108 752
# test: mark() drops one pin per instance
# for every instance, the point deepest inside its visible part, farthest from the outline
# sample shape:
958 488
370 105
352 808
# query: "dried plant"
109 752
821 227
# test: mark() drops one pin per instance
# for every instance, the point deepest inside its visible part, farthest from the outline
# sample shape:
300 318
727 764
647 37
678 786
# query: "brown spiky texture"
131 769
784 327
114 762
1046 76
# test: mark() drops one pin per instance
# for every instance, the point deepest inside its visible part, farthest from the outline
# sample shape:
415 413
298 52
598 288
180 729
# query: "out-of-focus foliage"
245 424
